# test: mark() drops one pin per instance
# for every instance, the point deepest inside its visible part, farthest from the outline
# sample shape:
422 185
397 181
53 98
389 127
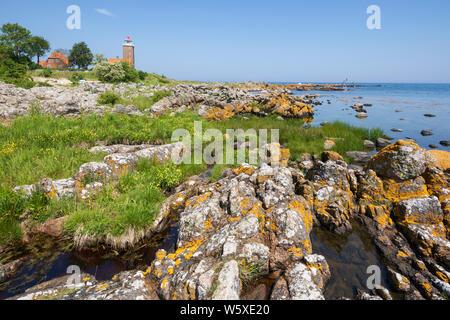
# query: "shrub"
142 75
75 77
131 75
16 73
46 73
109 72
108 98
159 95
116 72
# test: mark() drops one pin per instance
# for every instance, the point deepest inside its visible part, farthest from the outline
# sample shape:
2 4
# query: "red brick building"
56 61
128 53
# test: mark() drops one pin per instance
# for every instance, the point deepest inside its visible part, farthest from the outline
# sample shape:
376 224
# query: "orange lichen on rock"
287 106
304 212
380 214
275 155
218 114
244 168
331 156
439 159
398 191
403 160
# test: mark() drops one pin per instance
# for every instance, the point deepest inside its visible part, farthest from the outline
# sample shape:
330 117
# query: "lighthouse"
128 51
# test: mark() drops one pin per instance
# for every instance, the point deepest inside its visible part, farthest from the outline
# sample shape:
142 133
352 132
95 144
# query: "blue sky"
283 40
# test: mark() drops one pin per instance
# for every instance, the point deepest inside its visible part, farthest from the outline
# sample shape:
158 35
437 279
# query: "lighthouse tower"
128 51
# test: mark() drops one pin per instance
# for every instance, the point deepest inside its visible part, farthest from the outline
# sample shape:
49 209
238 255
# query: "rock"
368 297
257 294
331 156
433 146
383 293
369 145
325 123
275 155
211 98
426 133
400 281
396 130
445 143
121 163
301 284
429 115
359 157
129 110
229 283
248 225
129 285
382 143
422 222
280 290
362 115
162 154
329 144
402 161
53 227
438 159
119 148
8 270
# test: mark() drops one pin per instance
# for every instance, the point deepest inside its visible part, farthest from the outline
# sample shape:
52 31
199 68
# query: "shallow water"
348 257
413 100
45 264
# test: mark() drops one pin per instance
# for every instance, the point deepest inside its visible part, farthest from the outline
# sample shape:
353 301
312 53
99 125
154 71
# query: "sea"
394 106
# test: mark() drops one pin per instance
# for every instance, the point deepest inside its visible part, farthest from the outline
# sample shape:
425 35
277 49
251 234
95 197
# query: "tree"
38 46
81 55
16 37
99 58
5 51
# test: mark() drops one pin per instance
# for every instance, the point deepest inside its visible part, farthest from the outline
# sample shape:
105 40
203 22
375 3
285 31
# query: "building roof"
112 60
59 55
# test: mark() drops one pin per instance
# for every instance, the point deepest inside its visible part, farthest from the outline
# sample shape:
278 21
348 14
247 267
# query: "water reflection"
349 257
47 259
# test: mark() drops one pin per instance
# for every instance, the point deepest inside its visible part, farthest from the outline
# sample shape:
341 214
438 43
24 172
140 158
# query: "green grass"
39 146
143 102
65 74
133 202
108 98
250 272
300 140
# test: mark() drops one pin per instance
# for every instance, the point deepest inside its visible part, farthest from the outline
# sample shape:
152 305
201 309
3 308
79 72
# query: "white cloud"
105 12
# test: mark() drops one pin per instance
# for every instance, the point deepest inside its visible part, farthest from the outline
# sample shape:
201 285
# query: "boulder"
229 283
381 143
359 156
331 156
403 160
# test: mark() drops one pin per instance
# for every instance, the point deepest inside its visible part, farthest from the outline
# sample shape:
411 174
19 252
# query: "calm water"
348 257
49 261
413 100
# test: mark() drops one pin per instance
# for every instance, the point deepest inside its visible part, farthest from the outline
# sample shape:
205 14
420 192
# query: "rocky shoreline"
214 101
256 222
